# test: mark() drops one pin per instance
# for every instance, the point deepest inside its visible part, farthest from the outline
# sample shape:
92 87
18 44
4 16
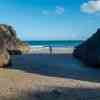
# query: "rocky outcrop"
9 44
4 58
22 47
89 51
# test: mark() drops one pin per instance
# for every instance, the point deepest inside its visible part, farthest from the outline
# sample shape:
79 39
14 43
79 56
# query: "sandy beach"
49 77
46 50
49 50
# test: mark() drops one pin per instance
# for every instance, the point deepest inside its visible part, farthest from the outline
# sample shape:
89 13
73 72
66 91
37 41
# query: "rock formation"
89 51
9 44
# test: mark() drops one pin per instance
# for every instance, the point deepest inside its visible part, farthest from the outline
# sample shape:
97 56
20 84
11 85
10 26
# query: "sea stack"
9 44
89 51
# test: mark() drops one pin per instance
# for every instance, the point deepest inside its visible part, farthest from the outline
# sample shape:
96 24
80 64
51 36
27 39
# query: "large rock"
9 44
4 58
89 51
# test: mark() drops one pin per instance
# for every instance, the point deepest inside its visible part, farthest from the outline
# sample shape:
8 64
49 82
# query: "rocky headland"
9 44
89 51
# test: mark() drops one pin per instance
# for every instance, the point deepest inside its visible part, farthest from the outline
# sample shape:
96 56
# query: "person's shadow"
55 65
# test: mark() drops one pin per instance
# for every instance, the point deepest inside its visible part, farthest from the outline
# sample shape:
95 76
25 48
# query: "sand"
18 85
46 50
49 77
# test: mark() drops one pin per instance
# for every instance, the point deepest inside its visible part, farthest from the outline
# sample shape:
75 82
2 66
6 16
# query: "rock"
15 52
4 58
8 37
10 40
23 48
89 51
9 44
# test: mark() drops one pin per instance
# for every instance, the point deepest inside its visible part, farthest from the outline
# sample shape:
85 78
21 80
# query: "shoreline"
50 50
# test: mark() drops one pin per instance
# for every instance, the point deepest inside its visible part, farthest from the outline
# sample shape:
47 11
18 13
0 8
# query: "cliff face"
89 51
9 44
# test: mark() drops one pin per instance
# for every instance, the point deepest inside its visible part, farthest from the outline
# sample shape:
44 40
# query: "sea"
56 43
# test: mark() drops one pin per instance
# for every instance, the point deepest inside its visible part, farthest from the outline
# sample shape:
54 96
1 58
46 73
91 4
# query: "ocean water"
66 43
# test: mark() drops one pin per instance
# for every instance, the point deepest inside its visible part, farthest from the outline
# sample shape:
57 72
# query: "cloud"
58 10
91 6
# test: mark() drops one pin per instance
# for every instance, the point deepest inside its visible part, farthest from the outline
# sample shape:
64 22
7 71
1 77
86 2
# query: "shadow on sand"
60 93
69 94
58 65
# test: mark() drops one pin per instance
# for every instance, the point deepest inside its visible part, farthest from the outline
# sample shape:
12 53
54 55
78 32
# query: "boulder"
89 51
4 58
9 44
8 37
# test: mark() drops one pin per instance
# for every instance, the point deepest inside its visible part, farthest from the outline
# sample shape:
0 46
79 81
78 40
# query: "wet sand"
49 77
55 65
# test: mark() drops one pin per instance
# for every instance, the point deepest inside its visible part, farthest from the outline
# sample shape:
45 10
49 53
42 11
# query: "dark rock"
89 51
56 92
15 52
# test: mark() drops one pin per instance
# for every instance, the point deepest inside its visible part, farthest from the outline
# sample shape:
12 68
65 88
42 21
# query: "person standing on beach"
50 49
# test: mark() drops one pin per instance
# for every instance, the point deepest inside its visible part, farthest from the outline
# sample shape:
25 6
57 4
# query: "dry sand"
46 50
18 85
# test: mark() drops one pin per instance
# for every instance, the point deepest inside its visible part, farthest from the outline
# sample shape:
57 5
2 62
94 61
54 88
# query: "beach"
19 85
49 50
42 76
46 50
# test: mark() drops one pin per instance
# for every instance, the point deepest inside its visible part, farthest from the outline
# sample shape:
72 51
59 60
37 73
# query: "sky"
51 19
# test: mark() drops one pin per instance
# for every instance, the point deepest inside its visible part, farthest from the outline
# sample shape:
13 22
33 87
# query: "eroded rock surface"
9 44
